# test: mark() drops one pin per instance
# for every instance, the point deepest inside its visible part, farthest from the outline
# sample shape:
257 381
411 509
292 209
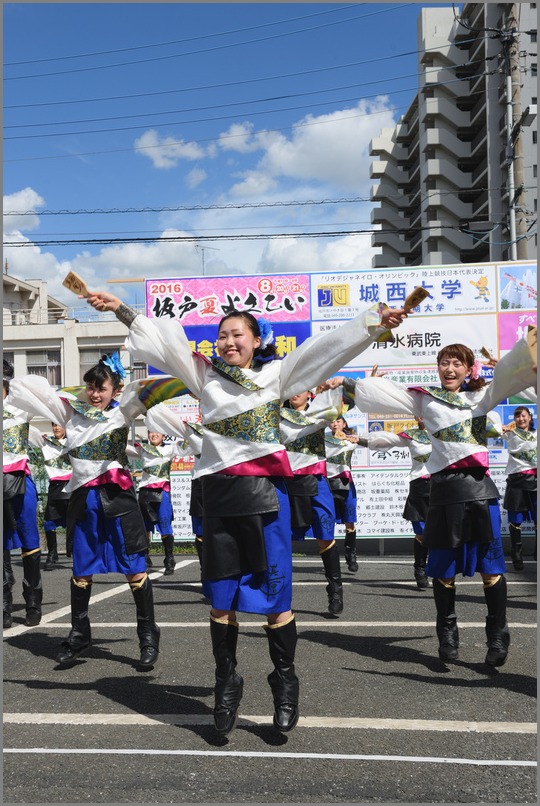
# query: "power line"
240 114
245 205
197 52
235 83
237 237
179 41
248 101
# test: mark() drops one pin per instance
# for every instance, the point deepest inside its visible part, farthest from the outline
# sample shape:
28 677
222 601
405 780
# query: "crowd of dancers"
272 464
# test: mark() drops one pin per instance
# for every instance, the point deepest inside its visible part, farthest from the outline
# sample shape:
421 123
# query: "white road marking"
260 754
333 623
355 723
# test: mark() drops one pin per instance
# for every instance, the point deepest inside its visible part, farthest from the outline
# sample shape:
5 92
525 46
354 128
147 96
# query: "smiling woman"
462 527
246 546
104 522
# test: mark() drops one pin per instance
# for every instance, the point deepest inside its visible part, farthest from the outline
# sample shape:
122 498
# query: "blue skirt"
348 508
98 543
196 525
324 515
267 591
486 558
165 516
26 535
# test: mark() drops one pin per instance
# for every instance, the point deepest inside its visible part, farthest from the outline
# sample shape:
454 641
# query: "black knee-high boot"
147 629
283 680
79 639
332 570
32 590
8 570
168 546
148 559
350 551
420 558
447 630
198 549
229 684
516 551
8 596
497 633
52 550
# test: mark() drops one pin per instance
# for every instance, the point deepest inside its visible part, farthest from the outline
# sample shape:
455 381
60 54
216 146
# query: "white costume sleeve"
512 374
321 356
163 344
386 397
384 440
36 396
164 420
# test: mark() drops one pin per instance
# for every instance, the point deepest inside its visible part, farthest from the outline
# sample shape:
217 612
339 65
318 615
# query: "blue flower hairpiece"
265 329
114 364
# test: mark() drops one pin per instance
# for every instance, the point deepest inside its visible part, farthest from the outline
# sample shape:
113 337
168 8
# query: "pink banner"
204 300
513 326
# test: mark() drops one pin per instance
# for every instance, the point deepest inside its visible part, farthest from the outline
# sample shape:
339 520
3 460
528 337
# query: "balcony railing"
28 316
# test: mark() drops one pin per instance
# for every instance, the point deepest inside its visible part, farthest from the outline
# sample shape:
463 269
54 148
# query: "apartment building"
456 178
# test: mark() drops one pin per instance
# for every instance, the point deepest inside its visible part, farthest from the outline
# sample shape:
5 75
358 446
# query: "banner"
482 305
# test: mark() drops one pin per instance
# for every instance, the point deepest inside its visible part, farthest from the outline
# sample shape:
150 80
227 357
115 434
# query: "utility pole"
514 150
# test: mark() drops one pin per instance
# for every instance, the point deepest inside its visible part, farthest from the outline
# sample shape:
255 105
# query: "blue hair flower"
114 364
265 329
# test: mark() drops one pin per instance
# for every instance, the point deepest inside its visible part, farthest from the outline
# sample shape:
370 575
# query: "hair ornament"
114 364
265 329
476 369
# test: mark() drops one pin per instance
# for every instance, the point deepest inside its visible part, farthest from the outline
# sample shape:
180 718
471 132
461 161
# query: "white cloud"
195 177
166 152
23 201
331 148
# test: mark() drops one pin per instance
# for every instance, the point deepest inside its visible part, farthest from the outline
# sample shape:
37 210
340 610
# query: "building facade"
456 178
44 337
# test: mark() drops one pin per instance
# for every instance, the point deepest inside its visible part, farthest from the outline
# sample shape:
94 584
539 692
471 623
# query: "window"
534 134
45 363
533 36
8 356
534 69
535 170
139 371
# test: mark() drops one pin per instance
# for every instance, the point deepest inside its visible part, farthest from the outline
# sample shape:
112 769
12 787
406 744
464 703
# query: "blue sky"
251 110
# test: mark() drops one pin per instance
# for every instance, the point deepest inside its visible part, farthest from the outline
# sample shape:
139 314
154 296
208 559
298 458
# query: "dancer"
520 493
418 443
189 443
20 510
155 492
462 529
247 558
340 445
104 518
58 469
303 420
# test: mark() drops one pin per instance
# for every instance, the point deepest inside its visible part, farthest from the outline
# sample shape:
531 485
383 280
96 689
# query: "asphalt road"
382 719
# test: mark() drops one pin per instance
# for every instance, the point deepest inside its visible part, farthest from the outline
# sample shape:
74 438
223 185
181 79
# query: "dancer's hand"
103 301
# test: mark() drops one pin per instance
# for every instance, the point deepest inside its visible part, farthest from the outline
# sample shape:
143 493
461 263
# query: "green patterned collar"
196 427
417 435
453 398
88 411
296 417
54 442
234 374
153 450
528 436
332 440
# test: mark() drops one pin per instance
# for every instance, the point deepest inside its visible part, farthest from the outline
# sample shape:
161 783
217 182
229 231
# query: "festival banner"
482 305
